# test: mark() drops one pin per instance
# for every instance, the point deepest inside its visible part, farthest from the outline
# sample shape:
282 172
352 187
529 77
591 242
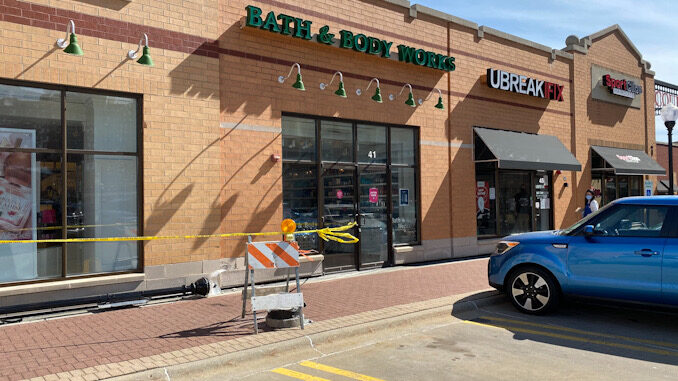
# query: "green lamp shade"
440 103
341 92
145 58
299 85
73 47
377 96
410 100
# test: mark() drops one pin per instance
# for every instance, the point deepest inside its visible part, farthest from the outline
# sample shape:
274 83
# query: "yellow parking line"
298 375
337 371
582 332
576 338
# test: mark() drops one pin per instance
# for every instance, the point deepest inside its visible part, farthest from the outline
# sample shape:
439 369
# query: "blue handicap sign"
648 192
404 197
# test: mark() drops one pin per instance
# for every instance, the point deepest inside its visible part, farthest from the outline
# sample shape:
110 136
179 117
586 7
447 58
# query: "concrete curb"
202 368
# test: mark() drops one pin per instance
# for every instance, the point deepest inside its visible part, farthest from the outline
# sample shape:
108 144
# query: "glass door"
515 206
373 216
339 208
542 204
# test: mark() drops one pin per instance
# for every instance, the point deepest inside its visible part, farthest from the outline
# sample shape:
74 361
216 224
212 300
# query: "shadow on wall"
472 111
115 5
605 113
242 92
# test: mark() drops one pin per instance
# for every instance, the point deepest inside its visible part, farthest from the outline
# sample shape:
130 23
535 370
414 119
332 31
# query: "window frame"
64 151
668 226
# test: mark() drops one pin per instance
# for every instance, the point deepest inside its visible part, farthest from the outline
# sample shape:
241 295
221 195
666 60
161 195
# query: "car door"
623 257
670 262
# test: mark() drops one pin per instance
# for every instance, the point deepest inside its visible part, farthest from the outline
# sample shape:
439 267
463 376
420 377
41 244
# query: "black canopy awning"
629 161
517 150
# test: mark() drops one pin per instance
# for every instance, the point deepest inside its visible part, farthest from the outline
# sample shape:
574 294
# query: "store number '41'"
372 154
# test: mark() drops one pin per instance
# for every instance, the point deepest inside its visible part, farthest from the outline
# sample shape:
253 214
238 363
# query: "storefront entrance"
365 174
618 172
522 200
514 190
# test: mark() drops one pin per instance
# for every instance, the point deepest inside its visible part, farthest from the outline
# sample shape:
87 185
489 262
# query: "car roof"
648 200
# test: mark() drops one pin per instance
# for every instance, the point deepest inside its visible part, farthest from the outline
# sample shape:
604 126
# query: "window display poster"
18 211
483 196
374 195
404 196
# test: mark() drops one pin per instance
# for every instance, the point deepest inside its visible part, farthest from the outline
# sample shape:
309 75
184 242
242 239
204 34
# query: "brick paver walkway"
60 345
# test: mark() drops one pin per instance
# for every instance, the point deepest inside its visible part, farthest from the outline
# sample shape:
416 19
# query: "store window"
609 187
336 171
87 190
512 201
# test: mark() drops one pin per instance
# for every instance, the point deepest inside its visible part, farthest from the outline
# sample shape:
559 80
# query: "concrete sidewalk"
114 343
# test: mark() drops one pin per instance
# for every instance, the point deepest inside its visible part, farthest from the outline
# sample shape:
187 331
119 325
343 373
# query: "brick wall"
213 106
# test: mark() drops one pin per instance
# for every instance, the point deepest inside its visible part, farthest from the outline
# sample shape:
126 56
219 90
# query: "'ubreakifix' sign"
516 83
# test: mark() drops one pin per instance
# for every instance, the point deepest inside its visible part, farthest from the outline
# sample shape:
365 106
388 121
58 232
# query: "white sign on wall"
648 188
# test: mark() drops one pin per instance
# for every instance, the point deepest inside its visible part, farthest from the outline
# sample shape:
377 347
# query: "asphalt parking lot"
581 341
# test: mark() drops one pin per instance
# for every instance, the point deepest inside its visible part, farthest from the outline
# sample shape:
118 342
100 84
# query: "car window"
632 221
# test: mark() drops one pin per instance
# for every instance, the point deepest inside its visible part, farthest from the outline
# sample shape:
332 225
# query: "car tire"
533 290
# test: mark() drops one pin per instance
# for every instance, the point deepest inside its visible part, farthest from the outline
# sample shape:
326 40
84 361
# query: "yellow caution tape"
334 234
75 227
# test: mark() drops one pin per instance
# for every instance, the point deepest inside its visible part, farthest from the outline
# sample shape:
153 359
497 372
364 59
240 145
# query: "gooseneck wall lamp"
341 91
71 46
669 114
439 105
410 97
377 94
298 84
145 56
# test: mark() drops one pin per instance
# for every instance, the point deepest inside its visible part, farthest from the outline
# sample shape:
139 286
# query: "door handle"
646 252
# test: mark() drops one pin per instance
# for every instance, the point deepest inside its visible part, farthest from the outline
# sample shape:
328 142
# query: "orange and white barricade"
273 255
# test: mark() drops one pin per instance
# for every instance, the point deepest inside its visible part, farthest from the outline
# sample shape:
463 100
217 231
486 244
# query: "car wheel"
533 290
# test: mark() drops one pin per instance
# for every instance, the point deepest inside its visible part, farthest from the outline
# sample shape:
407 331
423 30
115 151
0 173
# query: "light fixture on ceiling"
298 84
377 94
341 91
439 105
146 54
70 47
410 97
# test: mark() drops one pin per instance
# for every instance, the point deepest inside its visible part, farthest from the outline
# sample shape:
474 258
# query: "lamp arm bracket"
440 94
341 78
292 69
370 84
403 88
70 28
132 54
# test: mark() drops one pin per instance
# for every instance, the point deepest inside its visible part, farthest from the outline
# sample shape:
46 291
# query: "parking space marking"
575 338
298 375
337 371
581 332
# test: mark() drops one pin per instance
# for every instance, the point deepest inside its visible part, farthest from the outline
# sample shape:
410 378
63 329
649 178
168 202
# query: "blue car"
627 251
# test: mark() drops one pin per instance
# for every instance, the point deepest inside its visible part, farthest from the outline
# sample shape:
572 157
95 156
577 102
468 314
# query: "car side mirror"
588 231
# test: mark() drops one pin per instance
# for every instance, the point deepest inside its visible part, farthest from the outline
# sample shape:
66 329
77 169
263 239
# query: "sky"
650 24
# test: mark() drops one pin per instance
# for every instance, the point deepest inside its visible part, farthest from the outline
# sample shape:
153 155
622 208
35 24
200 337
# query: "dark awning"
517 150
629 161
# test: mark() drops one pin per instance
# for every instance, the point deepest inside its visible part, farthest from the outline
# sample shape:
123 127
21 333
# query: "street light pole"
669 129
670 114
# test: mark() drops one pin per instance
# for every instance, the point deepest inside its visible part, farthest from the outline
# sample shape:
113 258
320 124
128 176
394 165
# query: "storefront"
435 135
618 172
514 173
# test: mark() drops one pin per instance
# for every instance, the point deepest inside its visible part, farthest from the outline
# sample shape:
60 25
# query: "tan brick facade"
212 105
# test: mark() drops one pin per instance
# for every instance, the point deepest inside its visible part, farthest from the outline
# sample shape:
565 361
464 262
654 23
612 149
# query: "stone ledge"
71 284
